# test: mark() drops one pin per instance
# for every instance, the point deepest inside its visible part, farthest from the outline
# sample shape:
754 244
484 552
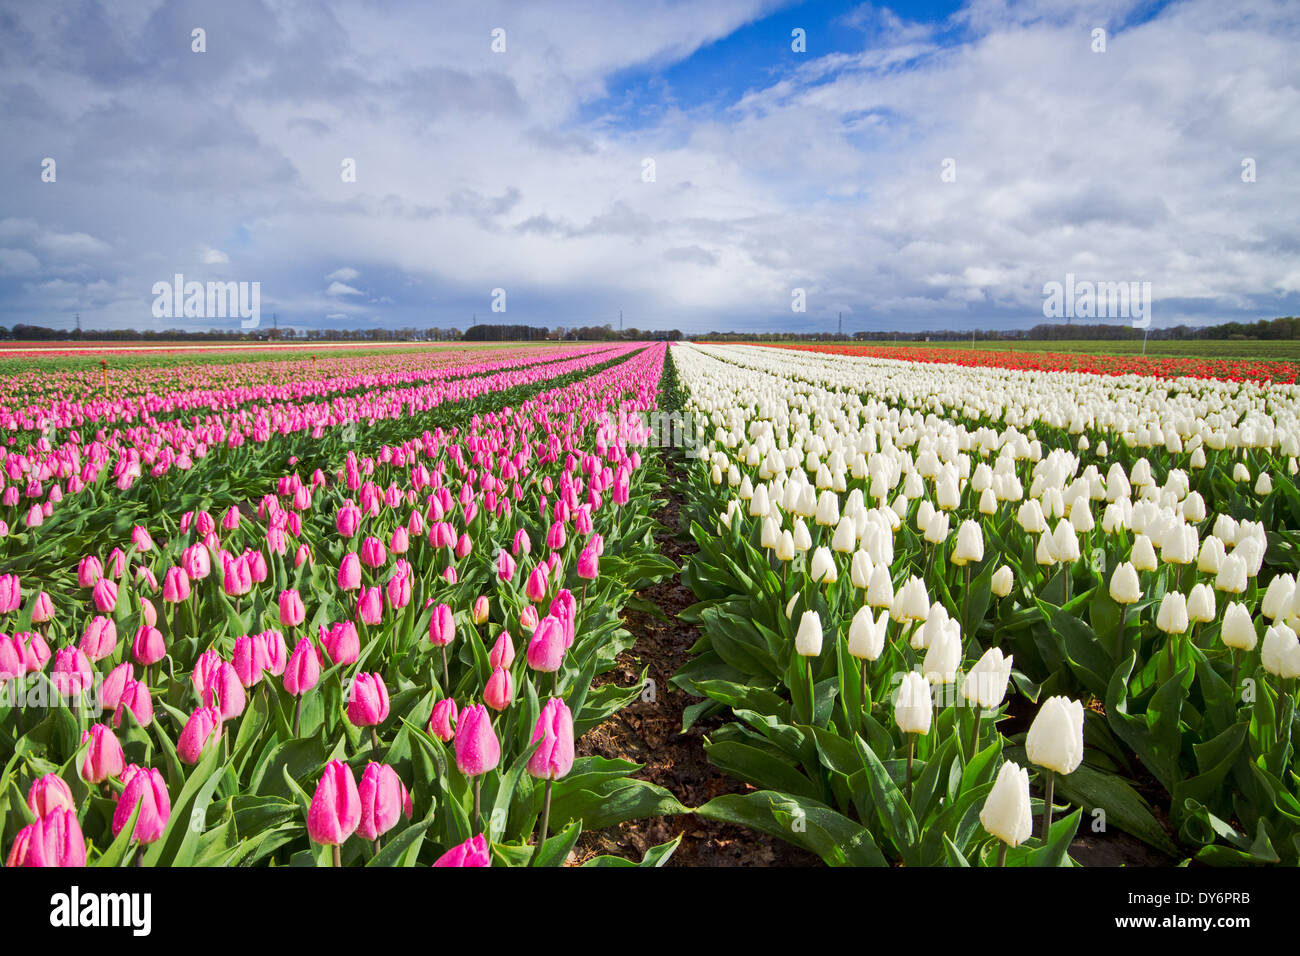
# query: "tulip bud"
1124 587
1172 616
442 722
1006 813
349 577
341 642
554 728
368 701
1280 655
384 800
970 544
148 790
867 636
442 626
203 726
499 690
335 808
986 683
1055 738
49 793
547 645
1238 629
913 705
477 748
481 609
943 655
292 612
808 640
473 852
303 670
1002 581
104 757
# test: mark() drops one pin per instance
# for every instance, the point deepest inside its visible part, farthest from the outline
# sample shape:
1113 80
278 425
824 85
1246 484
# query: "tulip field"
362 609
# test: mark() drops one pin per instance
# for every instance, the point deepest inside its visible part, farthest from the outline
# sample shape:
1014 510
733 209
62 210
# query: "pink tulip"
464 546
225 691
399 591
503 651
348 520
477 747
505 566
246 661
136 699
49 793
482 609
546 647
335 806
349 578
53 840
554 728
148 613
589 564
11 595
205 669
271 651
292 612
368 701
176 586
537 584
99 639
303 556
256 562
230 520
148 647
449 575
384 800
499 690
43 610
522 543
370 605
196 562
372 552
473 852
203 727
556 537
104 758
341 642
140 538
442 722
303 670
110 692
89 571
147 790
400 542
72 674
442 626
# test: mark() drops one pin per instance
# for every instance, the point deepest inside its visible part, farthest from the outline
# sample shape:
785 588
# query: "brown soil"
650 734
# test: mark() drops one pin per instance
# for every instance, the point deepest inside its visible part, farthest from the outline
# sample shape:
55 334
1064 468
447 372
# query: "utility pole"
620 320
839 333
78 321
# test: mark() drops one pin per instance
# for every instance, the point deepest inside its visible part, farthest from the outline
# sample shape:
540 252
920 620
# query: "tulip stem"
546 820
1002 855
1232 651
975 736
139 855
478 794
297 715
378 845
1047 803
338 855
862 699
374 739
911 752
446 680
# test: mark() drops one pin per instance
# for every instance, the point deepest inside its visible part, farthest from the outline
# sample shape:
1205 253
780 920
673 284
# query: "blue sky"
776 174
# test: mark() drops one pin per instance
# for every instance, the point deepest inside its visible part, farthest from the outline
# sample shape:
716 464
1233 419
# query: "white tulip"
1238 629
986 683
1124 587
1172 616
1007 814
1055 738
867 636
1002 581
1280 655
808 641
822 567
913 705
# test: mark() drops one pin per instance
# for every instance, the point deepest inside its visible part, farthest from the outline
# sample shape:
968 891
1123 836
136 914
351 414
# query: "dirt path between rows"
650 733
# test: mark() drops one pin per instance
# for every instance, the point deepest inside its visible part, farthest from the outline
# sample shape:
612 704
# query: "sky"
698 164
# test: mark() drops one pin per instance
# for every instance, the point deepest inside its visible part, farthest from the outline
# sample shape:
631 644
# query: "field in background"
1282 350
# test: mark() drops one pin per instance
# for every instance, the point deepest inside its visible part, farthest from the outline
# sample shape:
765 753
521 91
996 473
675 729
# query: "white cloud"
345 274
209 256
339 288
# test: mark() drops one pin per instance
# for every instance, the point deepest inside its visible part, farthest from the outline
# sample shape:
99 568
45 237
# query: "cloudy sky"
916 165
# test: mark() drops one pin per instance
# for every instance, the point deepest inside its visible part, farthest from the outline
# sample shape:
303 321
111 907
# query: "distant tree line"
1287 327
475 333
